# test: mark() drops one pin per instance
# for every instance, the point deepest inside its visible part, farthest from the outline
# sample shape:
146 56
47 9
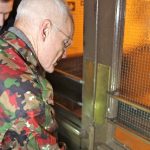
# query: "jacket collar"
19 41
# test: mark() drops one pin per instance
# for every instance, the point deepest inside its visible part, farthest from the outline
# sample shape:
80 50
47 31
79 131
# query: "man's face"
5 9
54 47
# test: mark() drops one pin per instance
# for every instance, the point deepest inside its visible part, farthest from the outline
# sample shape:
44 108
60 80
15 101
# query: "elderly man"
5 9
42 31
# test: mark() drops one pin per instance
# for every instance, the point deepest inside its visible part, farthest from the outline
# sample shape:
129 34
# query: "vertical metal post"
99 29
89 72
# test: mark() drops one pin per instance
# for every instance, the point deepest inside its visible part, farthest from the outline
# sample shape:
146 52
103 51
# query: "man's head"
5 9
49 26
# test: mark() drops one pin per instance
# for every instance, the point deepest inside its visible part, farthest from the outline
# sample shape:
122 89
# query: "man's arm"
28 121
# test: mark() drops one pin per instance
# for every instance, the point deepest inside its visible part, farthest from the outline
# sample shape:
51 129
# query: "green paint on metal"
103 73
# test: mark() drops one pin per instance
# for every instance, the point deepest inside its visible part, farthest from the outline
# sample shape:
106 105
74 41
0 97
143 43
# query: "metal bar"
130 103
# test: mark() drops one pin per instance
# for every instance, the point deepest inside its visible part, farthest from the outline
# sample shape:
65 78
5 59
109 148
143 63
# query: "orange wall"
130 140
76 7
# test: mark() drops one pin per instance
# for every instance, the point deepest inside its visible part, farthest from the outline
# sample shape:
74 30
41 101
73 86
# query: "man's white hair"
36 10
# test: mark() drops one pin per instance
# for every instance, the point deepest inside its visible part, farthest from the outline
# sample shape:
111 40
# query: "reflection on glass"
135 69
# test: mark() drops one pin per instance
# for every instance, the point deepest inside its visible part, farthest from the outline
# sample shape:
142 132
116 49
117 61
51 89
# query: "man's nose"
2 19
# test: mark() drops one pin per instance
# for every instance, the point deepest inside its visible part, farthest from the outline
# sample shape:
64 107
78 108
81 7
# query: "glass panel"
71 65
135 71
135 68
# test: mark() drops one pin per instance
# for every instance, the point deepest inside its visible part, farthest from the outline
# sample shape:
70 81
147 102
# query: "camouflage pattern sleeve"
27 121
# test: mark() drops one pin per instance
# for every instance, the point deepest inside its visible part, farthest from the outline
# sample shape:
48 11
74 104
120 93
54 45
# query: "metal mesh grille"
135 68
134 119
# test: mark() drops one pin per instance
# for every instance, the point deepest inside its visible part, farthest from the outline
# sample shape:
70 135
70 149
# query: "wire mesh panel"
134 85
135 68
134 119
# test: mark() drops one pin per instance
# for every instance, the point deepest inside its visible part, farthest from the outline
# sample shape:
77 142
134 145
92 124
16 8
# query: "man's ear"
45 29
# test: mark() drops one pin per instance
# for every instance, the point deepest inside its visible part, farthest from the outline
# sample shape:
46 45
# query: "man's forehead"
6 6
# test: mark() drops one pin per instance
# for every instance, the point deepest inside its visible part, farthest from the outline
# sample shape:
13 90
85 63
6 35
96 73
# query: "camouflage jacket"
26 119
